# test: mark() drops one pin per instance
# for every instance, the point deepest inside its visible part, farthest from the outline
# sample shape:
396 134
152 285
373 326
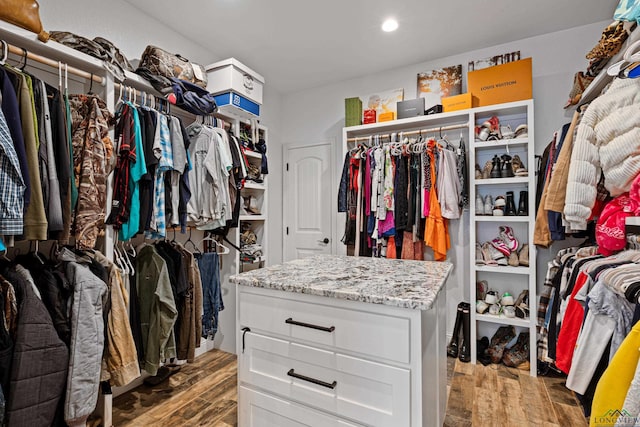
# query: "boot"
507 168
495 169
452 348
511 205
465 348
523 204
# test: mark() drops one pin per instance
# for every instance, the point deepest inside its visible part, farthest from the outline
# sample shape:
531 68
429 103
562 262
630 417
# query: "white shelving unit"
485 228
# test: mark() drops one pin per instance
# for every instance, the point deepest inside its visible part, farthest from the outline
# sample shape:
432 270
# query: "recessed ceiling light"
389 25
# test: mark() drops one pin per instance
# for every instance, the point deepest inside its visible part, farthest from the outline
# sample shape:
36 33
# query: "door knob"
325 240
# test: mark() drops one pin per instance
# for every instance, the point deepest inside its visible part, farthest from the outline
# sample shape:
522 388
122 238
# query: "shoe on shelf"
479 205
482 287
495 309
506 235
494 124
481 307
523 204
496 166
492 256
519 353
521 305
478 172
522 131
516 163
507 132
483 132
523 255
511 205
499 341
513 259
486 171
491 297
507 299
507 169
501 246
479 256
488 205
509 311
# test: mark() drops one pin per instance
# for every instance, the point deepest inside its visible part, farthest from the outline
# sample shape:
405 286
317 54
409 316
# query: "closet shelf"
489 218
498 181
502 319
503 269
253 185
253 154
516 142
253 217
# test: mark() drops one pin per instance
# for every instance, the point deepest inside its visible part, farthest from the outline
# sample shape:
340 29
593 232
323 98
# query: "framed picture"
436 84
383 101
480 64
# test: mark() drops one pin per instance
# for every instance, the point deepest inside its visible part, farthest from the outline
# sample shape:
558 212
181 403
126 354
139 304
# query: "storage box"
352 112
232 75
369 116
386 117
457 102
502 83
410 108
237 105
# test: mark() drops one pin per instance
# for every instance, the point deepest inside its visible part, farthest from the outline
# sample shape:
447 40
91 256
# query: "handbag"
25 14
163 63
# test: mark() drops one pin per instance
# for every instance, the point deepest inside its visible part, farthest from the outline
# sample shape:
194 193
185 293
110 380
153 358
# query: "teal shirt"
137 170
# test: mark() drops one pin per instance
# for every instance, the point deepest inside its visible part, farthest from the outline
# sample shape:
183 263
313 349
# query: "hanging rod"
50 62
412 132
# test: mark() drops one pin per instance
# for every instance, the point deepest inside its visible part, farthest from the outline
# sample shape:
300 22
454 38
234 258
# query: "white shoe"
488 205
479 205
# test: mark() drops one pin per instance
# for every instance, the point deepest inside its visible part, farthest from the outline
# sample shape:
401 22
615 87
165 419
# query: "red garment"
570 328
391 247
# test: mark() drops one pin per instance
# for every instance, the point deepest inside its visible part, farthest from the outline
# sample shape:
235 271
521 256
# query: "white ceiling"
303 43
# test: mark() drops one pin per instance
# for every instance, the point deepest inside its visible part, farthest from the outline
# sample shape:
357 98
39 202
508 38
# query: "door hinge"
287 167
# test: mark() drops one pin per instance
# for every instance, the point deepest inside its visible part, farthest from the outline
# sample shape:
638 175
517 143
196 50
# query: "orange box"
457 102
386 117
502 83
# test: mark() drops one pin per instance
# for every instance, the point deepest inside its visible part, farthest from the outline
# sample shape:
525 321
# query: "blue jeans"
209 266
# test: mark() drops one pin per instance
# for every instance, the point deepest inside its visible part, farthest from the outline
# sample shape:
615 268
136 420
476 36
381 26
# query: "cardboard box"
503 83
386 117
232 75
369 116
410 108
457 102
233 104
352 112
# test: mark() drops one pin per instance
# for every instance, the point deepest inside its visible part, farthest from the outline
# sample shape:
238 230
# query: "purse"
25 14
166 64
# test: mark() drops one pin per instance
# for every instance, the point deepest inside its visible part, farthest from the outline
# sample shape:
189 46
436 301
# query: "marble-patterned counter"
399 283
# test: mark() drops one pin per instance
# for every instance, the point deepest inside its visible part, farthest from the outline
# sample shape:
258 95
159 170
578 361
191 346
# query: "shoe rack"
484 227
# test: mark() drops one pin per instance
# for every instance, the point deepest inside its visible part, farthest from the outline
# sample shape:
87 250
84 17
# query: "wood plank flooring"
204 393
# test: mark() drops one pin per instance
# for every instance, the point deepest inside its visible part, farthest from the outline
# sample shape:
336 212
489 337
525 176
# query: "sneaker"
486 171
488 205
506 234
478 172
522 305
523 255
499 341
479 205
506 132
479 257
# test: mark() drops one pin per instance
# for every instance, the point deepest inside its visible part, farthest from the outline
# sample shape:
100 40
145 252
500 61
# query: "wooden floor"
204 393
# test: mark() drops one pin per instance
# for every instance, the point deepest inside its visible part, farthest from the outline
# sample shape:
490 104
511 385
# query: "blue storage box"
237 105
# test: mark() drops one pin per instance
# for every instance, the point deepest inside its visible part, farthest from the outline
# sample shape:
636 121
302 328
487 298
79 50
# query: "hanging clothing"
163 151
12 186
93 161
208 263
39 358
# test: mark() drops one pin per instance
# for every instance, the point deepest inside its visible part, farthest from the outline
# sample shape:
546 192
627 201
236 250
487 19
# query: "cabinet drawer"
257 409
368 392
370 334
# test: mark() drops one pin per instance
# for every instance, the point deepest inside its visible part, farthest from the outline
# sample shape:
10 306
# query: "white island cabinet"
342 341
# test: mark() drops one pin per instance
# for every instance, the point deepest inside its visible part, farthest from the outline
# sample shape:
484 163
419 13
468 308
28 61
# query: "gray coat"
87 338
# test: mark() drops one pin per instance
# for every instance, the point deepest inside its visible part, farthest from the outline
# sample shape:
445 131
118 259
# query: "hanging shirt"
12 186
163 152
138 168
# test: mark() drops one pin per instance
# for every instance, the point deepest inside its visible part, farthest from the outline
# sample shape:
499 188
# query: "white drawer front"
258 409
373 335
368 392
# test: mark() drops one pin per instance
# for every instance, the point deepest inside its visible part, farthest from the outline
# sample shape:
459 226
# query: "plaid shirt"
165 163
11 185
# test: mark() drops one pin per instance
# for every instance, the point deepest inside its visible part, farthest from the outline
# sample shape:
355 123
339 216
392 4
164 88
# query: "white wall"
317 114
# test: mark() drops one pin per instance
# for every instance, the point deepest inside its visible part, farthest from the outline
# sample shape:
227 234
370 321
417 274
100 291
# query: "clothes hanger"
5 52
630 56
35 252
195 247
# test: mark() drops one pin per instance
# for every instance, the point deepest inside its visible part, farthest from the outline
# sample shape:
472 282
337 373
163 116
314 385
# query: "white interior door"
307 201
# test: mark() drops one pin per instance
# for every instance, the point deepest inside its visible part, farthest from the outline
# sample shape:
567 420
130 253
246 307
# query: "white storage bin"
233 75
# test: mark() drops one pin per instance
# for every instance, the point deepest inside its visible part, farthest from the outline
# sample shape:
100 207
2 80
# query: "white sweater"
608 140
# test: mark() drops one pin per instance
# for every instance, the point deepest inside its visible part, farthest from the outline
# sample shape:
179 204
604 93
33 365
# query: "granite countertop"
399 283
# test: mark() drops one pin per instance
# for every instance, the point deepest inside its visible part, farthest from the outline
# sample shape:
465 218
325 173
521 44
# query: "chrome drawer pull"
309 325
312 380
